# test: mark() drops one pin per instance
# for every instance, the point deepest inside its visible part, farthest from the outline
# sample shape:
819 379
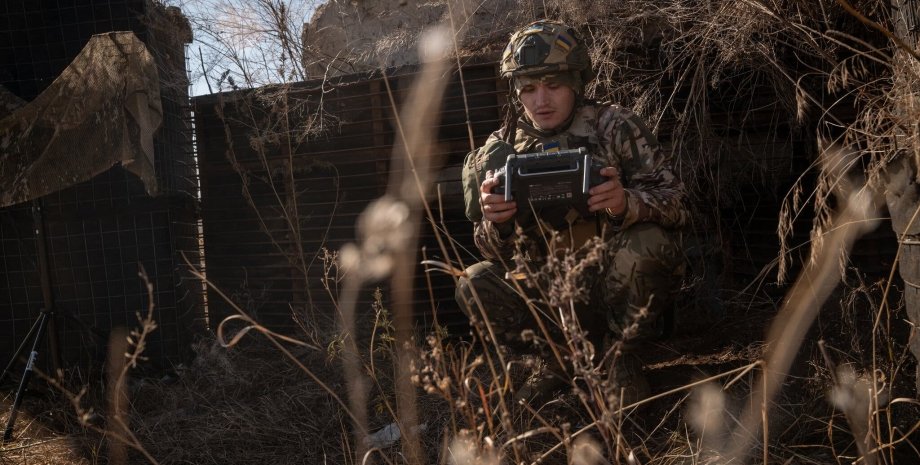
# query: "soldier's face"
547 104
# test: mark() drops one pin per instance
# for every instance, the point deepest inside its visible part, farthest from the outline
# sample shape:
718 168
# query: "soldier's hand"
494 207
608 195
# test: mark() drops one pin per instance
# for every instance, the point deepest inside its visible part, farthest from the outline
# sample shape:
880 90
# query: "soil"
260 387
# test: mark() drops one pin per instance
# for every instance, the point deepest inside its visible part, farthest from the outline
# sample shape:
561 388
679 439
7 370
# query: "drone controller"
550 178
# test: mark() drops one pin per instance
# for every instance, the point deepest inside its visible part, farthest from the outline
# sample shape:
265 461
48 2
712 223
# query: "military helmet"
545 47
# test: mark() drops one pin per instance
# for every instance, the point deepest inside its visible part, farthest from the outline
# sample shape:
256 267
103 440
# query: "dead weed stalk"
797 49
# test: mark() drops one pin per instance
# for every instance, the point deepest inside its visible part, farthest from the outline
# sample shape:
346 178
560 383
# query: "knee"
649 248
646 272
473 277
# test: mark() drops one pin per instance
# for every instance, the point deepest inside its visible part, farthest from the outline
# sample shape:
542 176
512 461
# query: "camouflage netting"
102 110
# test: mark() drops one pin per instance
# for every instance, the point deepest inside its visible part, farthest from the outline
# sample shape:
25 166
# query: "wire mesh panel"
255 256
101 232
270 264
40 38
19 276
273 215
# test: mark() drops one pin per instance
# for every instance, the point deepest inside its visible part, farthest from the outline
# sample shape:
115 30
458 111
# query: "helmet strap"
511 116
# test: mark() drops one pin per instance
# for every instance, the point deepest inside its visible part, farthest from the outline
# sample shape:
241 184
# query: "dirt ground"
250 405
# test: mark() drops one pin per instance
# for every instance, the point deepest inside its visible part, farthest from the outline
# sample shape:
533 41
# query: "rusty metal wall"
251 247
338 172
254 258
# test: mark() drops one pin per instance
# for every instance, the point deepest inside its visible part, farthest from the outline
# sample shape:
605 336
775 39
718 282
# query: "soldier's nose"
542 95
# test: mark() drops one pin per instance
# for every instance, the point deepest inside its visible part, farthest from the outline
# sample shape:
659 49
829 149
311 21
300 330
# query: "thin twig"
894 38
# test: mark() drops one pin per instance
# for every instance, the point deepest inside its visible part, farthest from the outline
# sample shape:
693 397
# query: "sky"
238 38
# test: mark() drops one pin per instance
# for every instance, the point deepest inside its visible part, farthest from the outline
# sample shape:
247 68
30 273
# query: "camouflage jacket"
621 139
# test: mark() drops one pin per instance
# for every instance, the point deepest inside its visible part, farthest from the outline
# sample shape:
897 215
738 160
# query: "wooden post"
902 193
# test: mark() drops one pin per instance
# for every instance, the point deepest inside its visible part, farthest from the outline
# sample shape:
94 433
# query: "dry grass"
271 399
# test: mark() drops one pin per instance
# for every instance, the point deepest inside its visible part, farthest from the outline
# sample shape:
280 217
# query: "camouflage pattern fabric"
643 275
571 79
615 135
638 275
505 306
642 260
510 306
9 102
546 47
102 110
477 164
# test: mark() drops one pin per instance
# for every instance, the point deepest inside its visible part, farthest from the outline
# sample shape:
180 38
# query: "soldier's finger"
610 172
499 206
600 198
487 198
488 184
501 217
608 186
613 204
608 199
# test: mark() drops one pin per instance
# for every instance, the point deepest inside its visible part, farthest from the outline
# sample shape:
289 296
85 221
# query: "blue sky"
238 38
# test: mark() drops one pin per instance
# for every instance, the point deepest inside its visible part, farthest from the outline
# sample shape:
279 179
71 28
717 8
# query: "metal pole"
20 348
38 222
27 375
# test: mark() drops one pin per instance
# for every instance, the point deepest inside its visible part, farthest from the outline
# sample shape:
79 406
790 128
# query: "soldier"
641 207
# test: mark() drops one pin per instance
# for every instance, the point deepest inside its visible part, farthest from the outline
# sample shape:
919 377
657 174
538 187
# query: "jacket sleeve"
653 192
495 241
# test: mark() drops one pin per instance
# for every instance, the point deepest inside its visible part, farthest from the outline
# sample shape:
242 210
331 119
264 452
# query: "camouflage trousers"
633 282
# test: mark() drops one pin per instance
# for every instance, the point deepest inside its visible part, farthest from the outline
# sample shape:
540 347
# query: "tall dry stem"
388 238
808 294
118 397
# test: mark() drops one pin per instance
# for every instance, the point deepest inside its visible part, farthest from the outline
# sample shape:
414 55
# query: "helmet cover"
546 47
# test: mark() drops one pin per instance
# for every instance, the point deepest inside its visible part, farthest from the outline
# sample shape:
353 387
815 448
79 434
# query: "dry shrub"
247 404
250 404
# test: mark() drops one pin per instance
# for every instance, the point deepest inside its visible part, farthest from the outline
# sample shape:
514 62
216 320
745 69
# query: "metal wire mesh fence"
99 232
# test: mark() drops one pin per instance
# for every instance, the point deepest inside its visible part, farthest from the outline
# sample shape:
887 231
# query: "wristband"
504 229
616 221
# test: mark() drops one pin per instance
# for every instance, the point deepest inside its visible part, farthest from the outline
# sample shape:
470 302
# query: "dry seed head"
854 393
801 104
707 411
586 451
434 44
383 230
